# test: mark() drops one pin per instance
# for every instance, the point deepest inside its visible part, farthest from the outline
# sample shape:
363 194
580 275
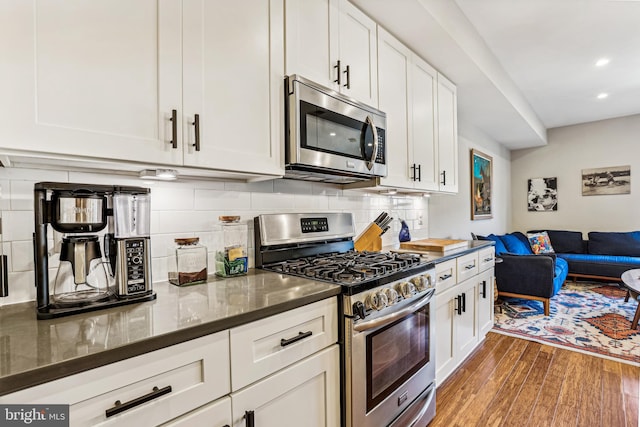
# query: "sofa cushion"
540 243
610 243
500 248
561 269
516 243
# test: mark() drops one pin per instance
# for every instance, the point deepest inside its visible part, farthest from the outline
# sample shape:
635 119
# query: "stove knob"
375 301
359 310
418 282
406 289
391 294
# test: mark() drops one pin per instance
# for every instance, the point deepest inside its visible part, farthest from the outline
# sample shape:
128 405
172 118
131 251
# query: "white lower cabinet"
306 394
215 414
176 379
464 311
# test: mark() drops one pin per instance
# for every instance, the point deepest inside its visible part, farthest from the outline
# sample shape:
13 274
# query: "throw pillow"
515 243
540 243
500 248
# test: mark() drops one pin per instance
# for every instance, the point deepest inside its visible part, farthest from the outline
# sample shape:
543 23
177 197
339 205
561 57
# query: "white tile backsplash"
191 208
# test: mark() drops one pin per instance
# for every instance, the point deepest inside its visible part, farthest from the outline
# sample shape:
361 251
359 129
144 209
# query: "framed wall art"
542 194
609 180
481 188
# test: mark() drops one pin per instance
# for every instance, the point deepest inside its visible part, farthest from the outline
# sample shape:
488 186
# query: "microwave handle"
374 154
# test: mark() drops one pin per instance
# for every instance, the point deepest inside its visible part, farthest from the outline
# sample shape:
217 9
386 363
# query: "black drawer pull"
484 289
249 419
488 259
470 266
464 303
121 407
446 276
300 336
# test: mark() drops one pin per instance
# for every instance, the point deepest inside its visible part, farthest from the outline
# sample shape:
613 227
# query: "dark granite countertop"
36 351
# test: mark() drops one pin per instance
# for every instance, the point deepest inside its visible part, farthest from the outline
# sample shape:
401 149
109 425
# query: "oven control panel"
382 298
314 225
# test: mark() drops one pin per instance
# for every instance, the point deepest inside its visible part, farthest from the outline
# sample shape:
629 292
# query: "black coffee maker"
88 279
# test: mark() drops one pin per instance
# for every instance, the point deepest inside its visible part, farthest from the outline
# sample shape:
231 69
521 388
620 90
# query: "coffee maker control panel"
136 278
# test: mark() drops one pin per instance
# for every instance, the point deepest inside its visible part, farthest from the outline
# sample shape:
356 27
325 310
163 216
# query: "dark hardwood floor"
513 382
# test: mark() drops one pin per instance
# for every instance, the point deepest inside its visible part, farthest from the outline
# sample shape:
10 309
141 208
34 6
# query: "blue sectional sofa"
605 255
522 274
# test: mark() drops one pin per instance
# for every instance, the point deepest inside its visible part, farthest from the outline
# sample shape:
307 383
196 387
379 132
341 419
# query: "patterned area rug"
587 317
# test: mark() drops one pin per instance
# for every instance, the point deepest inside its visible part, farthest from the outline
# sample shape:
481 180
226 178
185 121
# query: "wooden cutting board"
433 245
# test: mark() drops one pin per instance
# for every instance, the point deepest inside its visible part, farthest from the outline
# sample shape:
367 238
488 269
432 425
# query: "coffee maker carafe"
82 282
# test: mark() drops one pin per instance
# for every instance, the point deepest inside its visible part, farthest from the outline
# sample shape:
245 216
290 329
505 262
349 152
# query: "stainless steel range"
387 338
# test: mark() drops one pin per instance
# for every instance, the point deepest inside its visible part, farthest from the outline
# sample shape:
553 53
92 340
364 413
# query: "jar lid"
229 218
187 240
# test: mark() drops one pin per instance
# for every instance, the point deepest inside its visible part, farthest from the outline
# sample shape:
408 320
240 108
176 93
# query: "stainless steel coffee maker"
88 279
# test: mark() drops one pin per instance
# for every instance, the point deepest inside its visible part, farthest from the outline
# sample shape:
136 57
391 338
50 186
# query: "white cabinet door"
323 38
485 301
423 123
216 414
393 97
230 83
447 135
466 323
358 52
304 394
311 46
87 78
445 345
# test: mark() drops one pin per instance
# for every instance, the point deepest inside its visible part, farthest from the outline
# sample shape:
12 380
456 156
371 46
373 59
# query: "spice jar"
189 265
231 259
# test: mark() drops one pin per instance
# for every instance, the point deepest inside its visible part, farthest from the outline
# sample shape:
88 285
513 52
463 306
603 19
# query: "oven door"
329 132
392 366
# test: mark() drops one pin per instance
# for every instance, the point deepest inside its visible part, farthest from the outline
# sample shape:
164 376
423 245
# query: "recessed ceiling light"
602 62
602 95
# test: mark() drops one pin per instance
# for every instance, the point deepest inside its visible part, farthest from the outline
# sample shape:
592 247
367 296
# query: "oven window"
324 130
395 353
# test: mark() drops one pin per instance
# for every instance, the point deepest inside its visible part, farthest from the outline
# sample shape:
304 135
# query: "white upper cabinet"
115 79
421 126
230 85
332 43
447 135
84 78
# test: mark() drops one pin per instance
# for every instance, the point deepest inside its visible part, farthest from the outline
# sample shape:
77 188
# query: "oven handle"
390 318
425 408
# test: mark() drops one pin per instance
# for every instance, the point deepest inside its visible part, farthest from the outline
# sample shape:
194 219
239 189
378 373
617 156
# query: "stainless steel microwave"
331 137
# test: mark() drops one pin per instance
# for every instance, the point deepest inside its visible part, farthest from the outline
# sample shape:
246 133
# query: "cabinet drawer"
467 266
445 275
486 258
268 345
216 414
197 372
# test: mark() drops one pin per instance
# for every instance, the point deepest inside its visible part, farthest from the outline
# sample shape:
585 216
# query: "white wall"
183 209
450 215
614 142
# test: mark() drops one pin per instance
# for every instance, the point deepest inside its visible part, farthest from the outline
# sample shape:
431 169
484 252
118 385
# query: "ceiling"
525 66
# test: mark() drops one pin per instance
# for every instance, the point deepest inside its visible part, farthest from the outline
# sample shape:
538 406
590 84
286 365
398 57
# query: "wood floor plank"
472 409
523 404
590 407
545 408
499 407
613 413
561 388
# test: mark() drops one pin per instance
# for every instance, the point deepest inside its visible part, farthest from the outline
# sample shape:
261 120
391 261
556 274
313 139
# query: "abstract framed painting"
481 185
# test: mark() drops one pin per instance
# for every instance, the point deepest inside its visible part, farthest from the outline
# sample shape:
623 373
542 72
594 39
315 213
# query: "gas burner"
348 267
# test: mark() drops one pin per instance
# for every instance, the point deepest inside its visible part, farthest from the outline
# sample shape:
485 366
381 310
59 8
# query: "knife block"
369 239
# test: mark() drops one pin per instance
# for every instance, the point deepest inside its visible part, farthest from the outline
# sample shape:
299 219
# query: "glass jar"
189 265
231 259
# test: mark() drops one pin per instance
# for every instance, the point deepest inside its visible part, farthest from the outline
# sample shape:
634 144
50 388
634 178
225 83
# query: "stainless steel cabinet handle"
348 73
121 407
174 129
301 335
196 125
337 66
